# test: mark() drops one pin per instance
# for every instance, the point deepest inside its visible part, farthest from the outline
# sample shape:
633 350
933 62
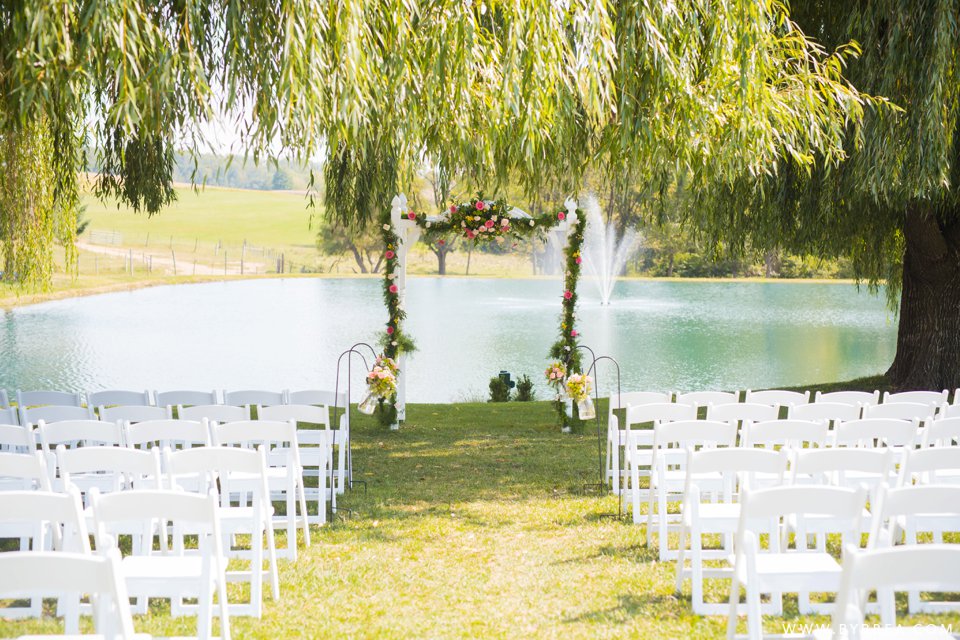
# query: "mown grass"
474 524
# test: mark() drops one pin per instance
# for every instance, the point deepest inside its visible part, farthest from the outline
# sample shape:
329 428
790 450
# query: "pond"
287 333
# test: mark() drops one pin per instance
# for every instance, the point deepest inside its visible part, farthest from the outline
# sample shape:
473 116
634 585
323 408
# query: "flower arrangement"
579 386
381 386
555 374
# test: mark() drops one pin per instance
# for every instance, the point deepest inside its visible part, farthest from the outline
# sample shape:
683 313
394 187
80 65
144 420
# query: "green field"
475 524
270 218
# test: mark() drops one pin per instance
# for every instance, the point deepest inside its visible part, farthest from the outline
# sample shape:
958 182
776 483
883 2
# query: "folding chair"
284 473
234 472
933 567
909 511
616 437
70 576
316 452
736 468
853 398
114 397
168 574
773 568
640 440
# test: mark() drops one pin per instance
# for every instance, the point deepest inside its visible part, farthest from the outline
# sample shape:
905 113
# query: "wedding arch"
476 220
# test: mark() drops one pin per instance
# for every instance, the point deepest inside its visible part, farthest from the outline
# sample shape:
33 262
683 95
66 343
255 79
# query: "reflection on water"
287 333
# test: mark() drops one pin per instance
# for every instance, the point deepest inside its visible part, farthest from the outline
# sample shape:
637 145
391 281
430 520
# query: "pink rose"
567 295
561 216
471 234
453 208
389 331
412 216
579 259
480 205
489 224
389 255
573 333
394 288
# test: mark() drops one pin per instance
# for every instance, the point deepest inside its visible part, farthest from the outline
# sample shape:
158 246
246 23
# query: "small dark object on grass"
499 390
525 392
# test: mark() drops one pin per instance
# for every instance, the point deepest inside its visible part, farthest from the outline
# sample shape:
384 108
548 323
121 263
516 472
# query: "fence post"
150 264
147 243
196 241
173 254
194 266
130 260
224 262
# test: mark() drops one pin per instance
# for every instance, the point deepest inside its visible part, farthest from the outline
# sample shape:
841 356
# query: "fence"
104 252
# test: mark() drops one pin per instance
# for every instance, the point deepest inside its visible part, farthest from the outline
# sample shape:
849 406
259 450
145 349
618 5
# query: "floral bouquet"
555 374
579 387
381 384
481 219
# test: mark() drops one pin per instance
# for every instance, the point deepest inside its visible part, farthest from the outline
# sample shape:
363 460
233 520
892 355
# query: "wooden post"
147 242
173 255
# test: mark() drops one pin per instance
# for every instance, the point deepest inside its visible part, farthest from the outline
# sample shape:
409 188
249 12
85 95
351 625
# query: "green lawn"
474 524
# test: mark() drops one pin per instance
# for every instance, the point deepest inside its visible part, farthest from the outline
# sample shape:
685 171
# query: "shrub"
525 392
499 391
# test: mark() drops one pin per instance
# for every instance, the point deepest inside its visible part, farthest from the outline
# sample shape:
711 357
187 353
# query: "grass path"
474 525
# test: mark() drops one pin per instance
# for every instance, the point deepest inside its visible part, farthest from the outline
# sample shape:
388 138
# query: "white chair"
171 399
236 473
876 432
789 433
26 399
213 413
9 415
251 398
777 397
24 472
738 412
942 432
75 433
316 452
853 398
843 467
53 413
704 398
616 437
910 511
17 439
737 467
132 413
829 411
671 442
948 411
72 575
642 439
284 473
773 568
109 469
918 397
334 403
933 465
168 574
932 567
901 411
113 397
168 433
43 521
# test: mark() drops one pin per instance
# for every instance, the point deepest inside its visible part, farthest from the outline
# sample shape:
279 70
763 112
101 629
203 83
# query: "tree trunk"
359 258
928 338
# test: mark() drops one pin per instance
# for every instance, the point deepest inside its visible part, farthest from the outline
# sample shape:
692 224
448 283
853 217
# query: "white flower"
429 224
386 227
394 343
531 223
567 348
494 218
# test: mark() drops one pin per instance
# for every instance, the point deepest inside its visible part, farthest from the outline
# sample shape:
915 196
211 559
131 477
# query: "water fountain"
604 257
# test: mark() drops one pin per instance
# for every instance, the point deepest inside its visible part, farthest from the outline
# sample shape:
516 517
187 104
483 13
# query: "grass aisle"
475 525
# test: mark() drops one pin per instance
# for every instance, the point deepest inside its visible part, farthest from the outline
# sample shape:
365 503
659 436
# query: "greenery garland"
564 350
480 220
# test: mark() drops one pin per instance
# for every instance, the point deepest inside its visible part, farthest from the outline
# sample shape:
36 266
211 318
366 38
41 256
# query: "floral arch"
477 220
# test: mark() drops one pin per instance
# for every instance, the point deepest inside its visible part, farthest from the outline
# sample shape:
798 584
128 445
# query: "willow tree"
536 92
894 206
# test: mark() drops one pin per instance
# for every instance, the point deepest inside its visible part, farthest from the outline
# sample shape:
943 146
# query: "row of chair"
644 410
